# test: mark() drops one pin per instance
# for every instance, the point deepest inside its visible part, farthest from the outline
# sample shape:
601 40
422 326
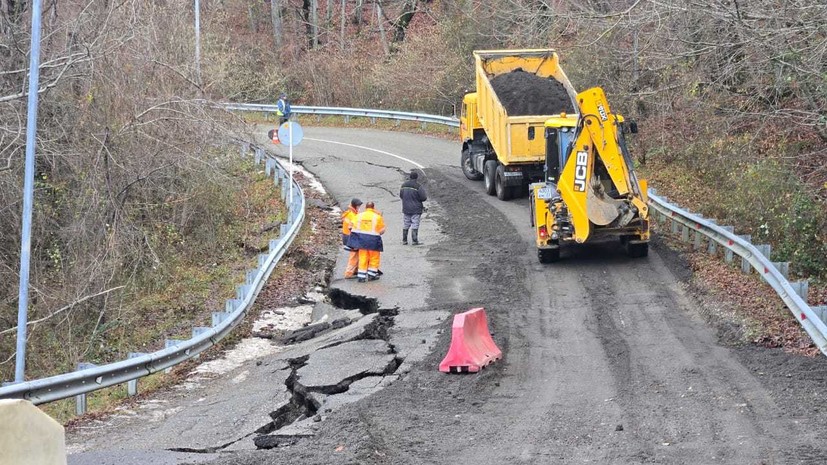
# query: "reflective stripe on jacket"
283 108
367 231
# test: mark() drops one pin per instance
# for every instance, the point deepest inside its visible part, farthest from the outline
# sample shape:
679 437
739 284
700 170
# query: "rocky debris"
523 93
319 204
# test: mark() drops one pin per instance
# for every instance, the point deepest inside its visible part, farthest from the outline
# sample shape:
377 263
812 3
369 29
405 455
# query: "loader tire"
637 250
548 255
490 169
503 192
467 167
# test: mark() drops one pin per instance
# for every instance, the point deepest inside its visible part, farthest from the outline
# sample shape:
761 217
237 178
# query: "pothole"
348 301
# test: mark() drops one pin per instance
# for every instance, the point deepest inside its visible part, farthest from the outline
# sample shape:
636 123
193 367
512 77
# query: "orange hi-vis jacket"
348 219
367 231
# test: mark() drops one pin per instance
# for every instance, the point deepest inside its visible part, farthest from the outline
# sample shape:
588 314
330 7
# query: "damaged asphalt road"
606 359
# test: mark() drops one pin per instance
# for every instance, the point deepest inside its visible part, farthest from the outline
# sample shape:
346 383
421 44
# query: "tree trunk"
342 26
275 18
357 14
380 21
405 17
314 24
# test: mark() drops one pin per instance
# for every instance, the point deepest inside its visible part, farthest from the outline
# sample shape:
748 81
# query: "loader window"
566 139
552 155
531 133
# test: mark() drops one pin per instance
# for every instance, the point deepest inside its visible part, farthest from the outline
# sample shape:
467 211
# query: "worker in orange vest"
348 220
366 236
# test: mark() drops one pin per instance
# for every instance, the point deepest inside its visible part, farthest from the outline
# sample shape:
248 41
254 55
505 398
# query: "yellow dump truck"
502 123
590 190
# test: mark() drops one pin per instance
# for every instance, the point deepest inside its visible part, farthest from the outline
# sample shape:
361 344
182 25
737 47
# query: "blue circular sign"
285 131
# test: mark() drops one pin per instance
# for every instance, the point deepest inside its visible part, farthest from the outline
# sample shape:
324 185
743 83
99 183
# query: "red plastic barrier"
471 345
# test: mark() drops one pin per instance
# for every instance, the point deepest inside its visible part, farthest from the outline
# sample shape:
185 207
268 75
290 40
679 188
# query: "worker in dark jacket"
412 195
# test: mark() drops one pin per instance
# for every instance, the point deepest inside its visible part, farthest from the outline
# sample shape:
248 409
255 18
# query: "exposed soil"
523 93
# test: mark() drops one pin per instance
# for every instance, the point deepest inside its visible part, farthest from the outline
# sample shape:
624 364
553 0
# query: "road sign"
290 134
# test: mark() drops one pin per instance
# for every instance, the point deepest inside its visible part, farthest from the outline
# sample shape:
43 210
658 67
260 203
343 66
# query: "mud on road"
606 360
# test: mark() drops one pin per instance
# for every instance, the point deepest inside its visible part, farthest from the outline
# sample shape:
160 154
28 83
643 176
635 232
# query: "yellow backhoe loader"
590 190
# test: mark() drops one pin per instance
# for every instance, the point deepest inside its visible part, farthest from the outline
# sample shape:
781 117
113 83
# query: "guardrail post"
821 311
423 125
698 239
218 318
372 120
171 343
783 268
251 276
802 288
684 233
242 290
197 331
258 155
132 385
398 122
80 399
674 226
283 231
232 305
347 119
745 265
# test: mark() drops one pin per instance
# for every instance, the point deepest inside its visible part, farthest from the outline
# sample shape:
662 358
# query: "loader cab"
469 118
560 135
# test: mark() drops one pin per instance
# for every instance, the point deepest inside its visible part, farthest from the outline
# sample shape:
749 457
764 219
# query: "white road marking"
370 149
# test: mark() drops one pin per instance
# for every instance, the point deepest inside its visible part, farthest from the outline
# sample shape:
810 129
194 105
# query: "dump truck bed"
518 137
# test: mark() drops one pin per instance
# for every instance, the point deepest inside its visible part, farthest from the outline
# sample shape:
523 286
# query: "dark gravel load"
523 93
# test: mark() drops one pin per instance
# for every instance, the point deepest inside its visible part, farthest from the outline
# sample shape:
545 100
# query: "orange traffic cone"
273 134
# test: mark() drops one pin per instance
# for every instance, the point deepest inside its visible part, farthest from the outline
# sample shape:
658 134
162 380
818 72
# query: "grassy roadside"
748 310
183 291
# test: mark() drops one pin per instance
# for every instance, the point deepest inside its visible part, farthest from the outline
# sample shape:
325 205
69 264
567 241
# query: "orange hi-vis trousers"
352 264
369 263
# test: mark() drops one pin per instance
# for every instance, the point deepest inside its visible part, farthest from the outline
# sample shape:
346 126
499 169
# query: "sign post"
28 196
290 134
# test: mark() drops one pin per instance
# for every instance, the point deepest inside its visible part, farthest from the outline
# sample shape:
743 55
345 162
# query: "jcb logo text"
580 171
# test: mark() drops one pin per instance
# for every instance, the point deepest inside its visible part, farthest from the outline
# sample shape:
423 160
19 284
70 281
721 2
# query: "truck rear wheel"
503 192
467 167
548 255
490 169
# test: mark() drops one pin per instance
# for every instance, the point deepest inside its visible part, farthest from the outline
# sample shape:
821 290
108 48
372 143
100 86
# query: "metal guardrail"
753 257
347 113
92 378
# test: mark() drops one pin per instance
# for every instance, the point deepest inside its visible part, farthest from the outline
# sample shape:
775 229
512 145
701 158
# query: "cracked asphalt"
606 359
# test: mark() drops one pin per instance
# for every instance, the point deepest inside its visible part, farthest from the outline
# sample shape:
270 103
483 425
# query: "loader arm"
597 136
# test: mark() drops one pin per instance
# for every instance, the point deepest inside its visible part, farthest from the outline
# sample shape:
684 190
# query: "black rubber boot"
415 237
405 236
